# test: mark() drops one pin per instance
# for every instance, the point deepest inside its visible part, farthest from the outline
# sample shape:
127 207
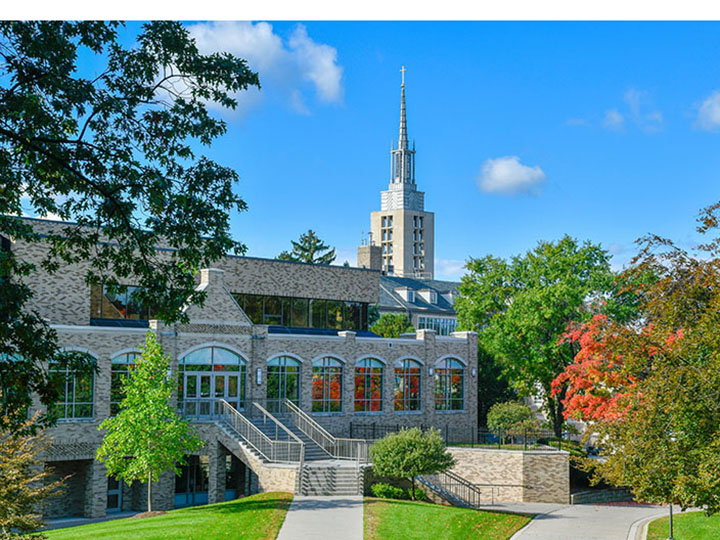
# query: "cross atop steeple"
403 158
403 70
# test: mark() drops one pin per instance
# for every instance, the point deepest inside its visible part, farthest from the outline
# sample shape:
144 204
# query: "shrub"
509 416
386 491
420 495
409 453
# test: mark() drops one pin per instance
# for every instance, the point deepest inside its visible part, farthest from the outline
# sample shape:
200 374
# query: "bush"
386 491
420 495
409 453
509 416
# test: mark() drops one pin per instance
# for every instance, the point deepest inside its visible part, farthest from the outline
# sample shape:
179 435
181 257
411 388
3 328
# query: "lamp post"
671 537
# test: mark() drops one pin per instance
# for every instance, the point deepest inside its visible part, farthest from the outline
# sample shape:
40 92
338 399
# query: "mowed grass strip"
689 526
257 517
387 519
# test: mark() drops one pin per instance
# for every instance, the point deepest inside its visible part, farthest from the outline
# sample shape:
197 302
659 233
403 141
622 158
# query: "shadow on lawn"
241 505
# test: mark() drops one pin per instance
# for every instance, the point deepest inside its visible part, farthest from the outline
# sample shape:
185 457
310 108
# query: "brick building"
286 342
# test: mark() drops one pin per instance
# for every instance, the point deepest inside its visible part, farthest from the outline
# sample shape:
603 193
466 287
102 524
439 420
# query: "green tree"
651 388
24 483
147 437
309 249
521 307
115 150
391 325
409 453
493 386
510 417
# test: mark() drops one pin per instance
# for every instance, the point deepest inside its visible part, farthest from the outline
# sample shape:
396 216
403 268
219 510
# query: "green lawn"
387 519
257 517
686 526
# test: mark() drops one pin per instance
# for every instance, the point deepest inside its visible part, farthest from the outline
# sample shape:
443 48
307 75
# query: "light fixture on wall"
474 372
431 371
258 375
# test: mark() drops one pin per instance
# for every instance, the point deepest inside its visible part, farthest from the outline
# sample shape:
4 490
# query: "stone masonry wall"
532 476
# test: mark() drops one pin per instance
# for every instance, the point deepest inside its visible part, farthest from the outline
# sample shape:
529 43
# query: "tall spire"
403 139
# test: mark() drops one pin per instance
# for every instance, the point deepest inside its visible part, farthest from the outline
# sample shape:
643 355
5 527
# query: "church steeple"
403 158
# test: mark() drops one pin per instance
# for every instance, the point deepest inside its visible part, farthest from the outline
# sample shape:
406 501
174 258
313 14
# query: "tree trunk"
149 492
412 489
555 408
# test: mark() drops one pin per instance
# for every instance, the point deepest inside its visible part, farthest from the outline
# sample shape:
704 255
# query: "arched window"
283 382
407 393
76 392
327 385
368 385
208 375
121 365
449 385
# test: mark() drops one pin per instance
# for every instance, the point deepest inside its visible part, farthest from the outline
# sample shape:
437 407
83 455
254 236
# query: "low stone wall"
518 476
597 496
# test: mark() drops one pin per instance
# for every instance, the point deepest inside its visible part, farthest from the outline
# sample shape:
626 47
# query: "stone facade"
516 475
64 299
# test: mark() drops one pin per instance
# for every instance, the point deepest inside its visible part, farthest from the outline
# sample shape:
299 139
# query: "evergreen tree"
309 249
147 437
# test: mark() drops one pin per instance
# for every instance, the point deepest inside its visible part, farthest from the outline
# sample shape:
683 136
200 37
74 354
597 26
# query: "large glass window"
442 326
327 385
304 312
283 382
368 385
449 385
407 391
105 304
208 375
121 366
76 394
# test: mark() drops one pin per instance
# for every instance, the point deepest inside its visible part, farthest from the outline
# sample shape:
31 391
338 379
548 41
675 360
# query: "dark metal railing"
460 492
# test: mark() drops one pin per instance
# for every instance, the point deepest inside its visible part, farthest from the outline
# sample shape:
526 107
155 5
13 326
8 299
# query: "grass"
686 526
387 519
257 517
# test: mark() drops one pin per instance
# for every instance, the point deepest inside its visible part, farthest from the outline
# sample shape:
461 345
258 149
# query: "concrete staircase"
335 478
313 452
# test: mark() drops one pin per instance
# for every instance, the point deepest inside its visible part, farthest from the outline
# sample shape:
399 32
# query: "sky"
524 131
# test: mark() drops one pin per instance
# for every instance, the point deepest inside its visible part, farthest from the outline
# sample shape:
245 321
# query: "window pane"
254 308
318 313
114 305
286 311
335 314
135 310
300 312
273 310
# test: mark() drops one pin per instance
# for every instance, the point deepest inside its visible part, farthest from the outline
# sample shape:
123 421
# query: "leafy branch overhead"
114 152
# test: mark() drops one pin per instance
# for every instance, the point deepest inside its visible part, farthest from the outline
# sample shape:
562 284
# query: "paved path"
324 518
582 521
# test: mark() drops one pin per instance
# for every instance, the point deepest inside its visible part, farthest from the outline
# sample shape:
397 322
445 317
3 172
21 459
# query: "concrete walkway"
582 521
324 518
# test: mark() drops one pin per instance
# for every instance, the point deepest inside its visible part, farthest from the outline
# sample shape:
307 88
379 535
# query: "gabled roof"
390 300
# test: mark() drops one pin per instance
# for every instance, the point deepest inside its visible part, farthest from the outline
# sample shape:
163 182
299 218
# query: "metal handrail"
247 430
454 487
279 451
278 425
339 448
310 427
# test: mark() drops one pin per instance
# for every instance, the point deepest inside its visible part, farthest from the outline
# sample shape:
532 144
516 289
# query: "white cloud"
506 175
292 68
613 119
451 269
638 102
708 117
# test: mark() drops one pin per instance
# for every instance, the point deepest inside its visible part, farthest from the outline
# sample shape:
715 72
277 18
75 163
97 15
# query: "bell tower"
402 229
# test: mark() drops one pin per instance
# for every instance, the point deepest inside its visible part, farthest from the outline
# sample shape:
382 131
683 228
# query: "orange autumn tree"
650 388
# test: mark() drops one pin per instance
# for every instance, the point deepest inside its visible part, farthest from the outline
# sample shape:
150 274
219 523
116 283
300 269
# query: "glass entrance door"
209 375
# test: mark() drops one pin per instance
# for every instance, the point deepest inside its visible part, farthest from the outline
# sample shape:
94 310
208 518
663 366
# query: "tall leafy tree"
391 325
522 306
651 389
147 437
309 249
118 153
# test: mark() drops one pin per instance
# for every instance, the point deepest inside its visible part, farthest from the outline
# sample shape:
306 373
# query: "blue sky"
524 131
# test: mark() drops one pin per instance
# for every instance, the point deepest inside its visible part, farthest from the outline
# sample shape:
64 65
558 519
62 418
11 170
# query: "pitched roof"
390 300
